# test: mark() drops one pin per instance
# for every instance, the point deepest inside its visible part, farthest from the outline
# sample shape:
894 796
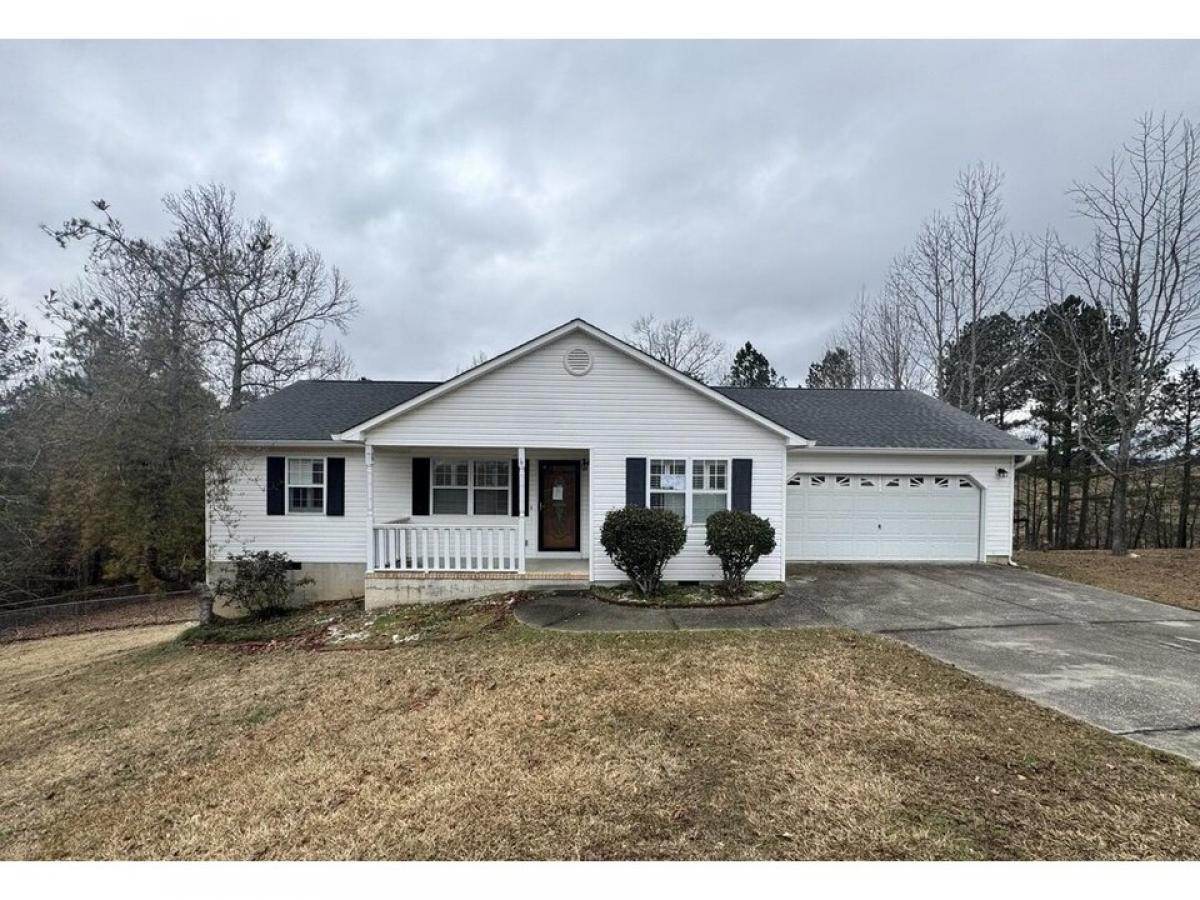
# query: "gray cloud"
476 194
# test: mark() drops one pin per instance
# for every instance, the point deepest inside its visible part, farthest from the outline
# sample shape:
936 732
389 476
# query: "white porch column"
521 509
369 452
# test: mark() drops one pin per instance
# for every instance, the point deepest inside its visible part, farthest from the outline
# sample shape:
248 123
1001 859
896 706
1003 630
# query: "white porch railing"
447 548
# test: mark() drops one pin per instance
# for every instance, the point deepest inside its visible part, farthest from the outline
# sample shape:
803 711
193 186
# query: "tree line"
111 420
1082 347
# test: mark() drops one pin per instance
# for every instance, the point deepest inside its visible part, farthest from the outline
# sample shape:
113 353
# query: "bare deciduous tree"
1141 271
260 306
856 335
893 337
990 265
962 268
265 304
682 345
922 281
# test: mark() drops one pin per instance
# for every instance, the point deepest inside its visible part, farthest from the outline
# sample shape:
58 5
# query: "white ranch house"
500 478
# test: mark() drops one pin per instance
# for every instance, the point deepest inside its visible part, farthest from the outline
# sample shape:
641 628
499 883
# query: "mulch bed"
711 598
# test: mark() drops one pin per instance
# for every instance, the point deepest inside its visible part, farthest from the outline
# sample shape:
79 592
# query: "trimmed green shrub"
738 539
641 541
262 583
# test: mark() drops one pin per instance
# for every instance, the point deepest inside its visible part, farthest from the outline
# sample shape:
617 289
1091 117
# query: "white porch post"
521 509
369 452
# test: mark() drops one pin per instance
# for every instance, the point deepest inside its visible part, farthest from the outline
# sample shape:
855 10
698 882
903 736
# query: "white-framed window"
490 487
306 485
668 485
470 487
710 488
450 484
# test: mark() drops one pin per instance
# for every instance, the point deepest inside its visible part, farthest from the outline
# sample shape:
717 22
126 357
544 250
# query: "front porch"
465 522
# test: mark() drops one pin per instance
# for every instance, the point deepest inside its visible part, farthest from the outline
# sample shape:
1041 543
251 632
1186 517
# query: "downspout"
1025 460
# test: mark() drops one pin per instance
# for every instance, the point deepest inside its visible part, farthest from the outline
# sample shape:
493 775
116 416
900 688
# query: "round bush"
641 541
262 582
738 539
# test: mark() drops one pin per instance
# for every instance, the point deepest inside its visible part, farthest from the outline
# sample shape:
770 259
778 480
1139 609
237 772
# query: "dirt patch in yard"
345 625
1168 576
504 742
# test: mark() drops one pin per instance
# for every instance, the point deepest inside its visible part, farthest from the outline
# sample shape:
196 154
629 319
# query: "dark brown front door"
558 505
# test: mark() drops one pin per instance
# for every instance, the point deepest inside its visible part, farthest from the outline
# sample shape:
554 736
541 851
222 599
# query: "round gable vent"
577 361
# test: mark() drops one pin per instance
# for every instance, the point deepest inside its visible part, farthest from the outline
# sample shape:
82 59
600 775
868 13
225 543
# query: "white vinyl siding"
242 524
619 409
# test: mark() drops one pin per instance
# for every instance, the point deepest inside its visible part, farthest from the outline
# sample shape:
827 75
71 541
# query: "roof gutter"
921 451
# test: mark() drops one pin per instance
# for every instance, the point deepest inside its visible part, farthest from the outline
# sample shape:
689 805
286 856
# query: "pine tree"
835 370
752 369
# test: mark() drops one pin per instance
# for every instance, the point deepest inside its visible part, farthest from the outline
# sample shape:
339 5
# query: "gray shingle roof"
874 418
313 410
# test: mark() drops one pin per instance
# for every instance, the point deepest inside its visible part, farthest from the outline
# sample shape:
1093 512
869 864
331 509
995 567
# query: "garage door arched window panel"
866 481
916 481
941 481
842 481
892 483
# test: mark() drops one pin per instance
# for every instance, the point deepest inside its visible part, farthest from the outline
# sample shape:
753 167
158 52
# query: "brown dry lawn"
497 741
1168 576
98 617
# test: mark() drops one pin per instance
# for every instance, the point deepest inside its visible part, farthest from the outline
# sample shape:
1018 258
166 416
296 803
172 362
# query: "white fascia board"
357 433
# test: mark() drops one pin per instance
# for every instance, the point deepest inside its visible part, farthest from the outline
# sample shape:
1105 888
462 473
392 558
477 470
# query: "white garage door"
917 518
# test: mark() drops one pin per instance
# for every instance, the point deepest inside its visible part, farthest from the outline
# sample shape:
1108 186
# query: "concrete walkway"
1122 663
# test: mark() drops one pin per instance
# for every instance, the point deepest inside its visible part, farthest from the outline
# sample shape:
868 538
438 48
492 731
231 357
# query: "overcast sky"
477 194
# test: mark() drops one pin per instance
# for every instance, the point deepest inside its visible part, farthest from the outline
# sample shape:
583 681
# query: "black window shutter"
275 469
335 486
743 471
516 493
420 486
635 481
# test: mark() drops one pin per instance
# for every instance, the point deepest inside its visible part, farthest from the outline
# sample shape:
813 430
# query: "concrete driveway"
1122 663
